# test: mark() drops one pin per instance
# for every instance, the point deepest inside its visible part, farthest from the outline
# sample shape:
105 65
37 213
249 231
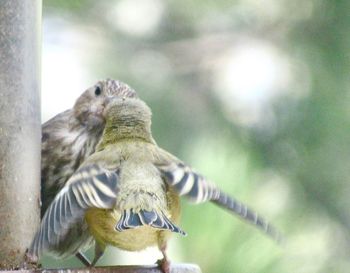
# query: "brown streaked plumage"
71 136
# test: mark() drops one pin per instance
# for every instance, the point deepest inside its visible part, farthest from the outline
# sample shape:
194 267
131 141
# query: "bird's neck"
121 130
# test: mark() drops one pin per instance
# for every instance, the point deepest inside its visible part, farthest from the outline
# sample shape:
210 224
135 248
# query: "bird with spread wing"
127 193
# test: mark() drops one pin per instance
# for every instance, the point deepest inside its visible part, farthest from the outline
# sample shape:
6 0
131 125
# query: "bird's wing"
198 190
91 186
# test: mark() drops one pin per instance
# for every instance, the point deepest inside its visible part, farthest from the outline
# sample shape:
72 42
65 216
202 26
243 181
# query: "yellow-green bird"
127 193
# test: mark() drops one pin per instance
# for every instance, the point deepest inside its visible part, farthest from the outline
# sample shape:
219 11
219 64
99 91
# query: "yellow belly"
102 224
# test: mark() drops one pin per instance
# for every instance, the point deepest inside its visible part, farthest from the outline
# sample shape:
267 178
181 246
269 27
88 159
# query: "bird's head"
127 118
90 107
127 111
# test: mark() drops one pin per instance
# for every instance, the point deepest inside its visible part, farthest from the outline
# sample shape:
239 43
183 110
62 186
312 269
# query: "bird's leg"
30 262
164 263
83 259
98 253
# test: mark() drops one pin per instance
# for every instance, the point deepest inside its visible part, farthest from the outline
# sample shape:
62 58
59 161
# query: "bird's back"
141 189
65 145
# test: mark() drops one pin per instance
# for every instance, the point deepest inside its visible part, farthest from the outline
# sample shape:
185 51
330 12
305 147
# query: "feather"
198 189
90 187
131 220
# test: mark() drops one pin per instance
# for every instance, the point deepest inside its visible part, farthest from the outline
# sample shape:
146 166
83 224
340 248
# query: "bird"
71 136
127 193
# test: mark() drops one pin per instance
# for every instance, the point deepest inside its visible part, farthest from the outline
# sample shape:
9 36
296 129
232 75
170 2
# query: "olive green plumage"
126 194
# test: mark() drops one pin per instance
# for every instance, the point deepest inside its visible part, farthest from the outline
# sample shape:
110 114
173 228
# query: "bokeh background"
254 94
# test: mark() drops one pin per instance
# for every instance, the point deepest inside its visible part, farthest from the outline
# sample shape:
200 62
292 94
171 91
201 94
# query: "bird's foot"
164 265
30 262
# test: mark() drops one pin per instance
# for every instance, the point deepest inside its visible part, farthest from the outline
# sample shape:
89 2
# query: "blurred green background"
254 94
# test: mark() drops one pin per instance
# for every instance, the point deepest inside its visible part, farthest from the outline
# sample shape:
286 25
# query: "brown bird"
71 136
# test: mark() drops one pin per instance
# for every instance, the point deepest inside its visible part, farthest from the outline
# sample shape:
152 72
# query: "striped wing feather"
90 187
198 189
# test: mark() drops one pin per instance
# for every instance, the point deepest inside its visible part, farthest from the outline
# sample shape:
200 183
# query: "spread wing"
92 186
198 190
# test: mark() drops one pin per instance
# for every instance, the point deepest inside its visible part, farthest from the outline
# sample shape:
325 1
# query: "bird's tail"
130 219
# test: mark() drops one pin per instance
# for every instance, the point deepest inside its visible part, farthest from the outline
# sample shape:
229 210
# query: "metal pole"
20 128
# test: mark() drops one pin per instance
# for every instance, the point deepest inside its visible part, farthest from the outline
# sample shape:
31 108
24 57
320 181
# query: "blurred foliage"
292 164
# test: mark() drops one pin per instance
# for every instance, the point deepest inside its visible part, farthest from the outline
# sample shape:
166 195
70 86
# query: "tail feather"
131 220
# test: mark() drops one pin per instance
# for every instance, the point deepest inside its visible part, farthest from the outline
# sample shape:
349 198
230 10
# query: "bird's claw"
164 265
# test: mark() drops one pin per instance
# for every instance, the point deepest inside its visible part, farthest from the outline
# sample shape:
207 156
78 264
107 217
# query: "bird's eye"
98 91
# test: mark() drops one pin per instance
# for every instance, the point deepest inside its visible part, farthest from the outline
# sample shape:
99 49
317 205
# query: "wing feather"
198 190
90 187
